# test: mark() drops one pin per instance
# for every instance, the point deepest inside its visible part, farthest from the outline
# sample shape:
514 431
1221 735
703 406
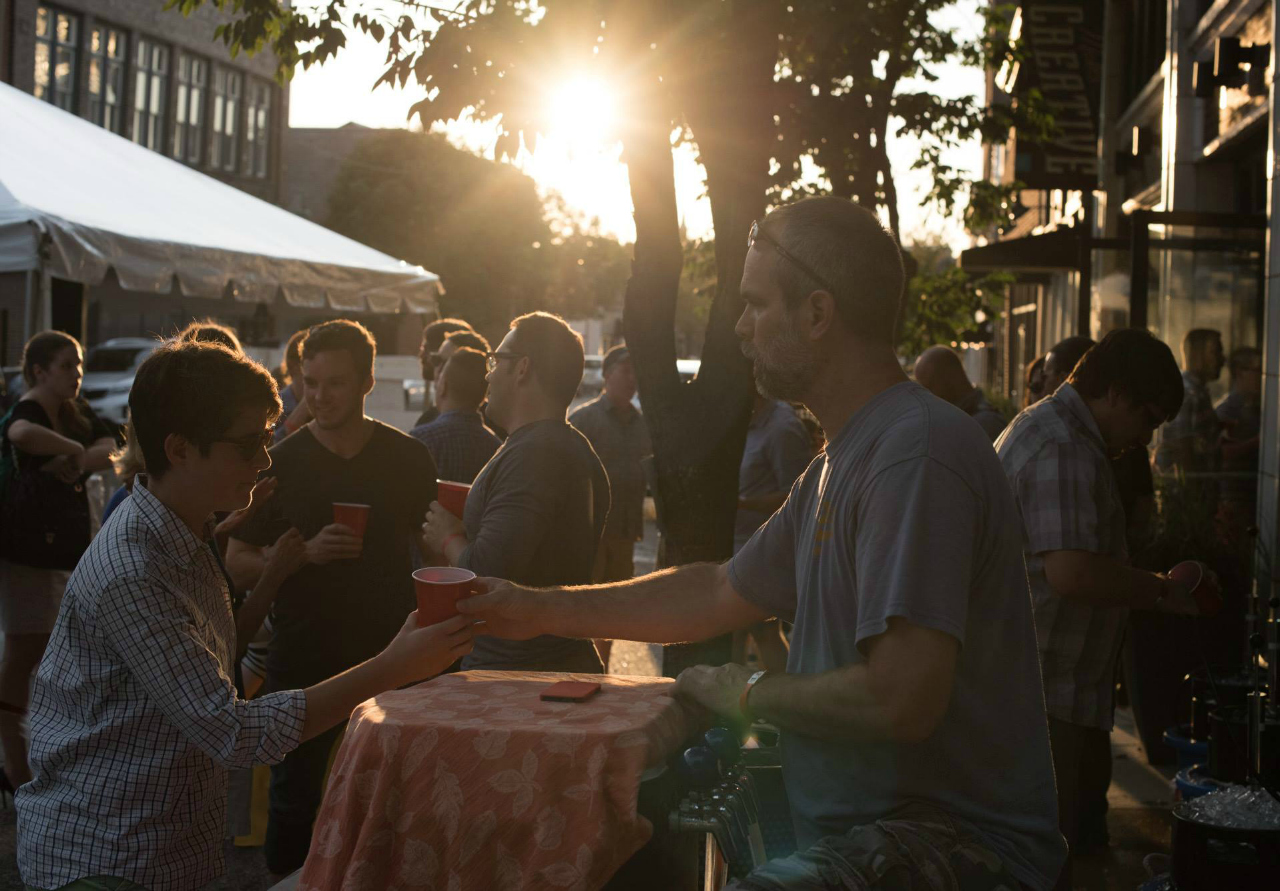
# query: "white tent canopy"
90 201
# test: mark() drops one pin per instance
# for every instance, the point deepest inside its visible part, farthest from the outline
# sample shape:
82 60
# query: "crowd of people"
955 587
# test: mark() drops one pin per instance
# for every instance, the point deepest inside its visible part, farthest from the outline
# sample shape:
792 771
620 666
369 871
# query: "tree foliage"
849 77
943 303
481 226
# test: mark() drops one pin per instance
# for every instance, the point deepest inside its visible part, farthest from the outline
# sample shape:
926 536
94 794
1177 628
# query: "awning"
97 202
1059 249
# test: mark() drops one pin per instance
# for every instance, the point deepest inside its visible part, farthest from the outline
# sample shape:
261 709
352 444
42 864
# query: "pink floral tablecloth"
471 782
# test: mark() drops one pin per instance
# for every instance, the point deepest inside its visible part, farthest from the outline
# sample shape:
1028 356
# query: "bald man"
939 371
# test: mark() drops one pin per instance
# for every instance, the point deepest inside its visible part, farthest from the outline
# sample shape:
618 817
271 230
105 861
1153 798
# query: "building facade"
154 76
1154 203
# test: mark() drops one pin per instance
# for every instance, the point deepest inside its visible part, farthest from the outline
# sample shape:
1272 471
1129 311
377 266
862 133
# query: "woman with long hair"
54 441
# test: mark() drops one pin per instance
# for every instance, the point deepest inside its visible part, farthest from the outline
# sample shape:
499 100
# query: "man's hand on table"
418 653
507 611
716 689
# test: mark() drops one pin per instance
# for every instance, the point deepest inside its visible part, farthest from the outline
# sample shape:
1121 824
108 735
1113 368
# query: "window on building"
188 125
106 77
150 85
57 47
257 129
227 87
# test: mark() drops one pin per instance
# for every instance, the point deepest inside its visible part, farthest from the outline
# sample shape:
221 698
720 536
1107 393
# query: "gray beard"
784 370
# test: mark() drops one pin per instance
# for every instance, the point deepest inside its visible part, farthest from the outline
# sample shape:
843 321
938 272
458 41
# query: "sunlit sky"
576 158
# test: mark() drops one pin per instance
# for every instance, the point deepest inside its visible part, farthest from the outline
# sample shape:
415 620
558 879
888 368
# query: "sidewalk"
1140 822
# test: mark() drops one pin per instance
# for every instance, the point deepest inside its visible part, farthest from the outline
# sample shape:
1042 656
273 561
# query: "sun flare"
582 112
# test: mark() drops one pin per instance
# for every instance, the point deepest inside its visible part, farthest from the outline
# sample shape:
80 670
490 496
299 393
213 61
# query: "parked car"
109 369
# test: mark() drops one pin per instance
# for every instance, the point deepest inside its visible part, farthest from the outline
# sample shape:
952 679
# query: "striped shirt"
135 720
1057 464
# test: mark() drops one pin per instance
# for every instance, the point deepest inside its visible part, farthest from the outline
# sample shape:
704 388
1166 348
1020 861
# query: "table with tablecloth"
470 781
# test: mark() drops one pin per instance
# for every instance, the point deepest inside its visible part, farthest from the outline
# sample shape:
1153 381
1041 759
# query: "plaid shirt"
1056 462
135 720
460 444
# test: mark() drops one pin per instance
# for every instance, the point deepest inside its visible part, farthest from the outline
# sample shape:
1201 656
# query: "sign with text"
1062 42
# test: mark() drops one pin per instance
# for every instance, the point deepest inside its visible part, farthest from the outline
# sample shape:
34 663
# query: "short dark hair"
1069 352
342 334
196 389
1137 364
616 354
469 339
292 357
434 334
849 247
465 374
1199 338
211 331
554 351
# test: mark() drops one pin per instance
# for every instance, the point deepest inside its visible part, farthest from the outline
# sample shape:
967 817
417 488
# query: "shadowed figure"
939 371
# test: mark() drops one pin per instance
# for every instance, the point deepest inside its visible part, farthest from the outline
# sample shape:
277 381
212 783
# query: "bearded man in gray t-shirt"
915 743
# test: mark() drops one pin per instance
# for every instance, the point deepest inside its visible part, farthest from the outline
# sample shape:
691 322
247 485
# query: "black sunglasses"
758 234
248 446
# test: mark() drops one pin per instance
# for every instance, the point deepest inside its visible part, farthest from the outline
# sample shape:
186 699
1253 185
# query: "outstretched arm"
688 603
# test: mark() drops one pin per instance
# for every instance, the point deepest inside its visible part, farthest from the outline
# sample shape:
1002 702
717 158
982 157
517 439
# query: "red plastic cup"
439 588
453 496
354 516
1195 576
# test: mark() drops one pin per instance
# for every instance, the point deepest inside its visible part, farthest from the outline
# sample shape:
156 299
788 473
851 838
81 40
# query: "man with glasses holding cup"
537 510
914 745
135 719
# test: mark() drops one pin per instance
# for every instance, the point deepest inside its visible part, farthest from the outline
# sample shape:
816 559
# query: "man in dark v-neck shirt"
352 594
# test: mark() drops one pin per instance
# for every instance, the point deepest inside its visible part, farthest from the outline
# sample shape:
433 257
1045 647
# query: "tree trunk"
698 427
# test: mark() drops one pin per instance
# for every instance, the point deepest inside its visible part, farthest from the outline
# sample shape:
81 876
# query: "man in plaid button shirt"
135 719
1056 455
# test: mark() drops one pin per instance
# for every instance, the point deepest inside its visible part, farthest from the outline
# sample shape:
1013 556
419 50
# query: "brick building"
163 81
154 76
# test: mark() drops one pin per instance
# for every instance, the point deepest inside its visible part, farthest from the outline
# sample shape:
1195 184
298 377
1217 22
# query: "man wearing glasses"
355 588
135 720
537 510
915 749
1058 458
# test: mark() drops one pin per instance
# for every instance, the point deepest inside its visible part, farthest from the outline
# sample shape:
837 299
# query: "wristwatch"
746 693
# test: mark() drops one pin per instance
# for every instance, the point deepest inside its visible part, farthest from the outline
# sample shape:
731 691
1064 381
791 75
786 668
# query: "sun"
581 112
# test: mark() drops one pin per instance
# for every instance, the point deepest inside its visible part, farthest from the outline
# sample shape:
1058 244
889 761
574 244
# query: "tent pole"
28 324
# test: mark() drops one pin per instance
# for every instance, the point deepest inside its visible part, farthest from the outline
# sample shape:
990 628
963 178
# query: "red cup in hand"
439 588
452 496
1202 584
354 516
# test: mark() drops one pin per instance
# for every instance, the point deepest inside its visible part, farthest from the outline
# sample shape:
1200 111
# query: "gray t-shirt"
908 514
534 516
